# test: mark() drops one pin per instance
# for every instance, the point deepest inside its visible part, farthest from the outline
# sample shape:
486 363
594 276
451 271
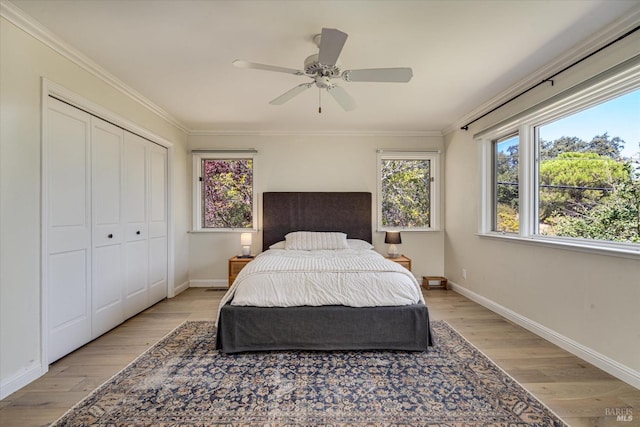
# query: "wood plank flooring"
575 390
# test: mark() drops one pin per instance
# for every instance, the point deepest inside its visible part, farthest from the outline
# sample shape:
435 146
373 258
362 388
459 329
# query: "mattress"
347 277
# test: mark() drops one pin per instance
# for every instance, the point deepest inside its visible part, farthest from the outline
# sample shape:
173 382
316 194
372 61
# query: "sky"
618 117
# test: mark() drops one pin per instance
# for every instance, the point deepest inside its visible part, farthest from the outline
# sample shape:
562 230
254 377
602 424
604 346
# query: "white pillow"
311 240
277 245
359 244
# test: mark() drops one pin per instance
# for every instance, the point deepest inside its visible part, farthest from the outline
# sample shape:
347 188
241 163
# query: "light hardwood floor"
575 390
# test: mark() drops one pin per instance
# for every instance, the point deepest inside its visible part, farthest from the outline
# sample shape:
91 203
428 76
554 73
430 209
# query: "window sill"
407 230
224 230
576 246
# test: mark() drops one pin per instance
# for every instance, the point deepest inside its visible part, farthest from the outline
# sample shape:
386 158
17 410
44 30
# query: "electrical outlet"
464 273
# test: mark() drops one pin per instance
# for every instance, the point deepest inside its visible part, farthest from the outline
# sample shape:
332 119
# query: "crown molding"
26 23
370 133
580 50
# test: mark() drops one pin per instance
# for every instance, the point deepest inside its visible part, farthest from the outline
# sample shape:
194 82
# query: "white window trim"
614 83
434 188
198 156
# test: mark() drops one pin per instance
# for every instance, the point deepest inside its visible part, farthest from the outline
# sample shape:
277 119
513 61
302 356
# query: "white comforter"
350 277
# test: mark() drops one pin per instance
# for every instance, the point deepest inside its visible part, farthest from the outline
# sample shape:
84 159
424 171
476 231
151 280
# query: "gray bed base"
242 329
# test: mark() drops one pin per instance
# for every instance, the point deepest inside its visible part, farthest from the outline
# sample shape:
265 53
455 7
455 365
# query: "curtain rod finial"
465 127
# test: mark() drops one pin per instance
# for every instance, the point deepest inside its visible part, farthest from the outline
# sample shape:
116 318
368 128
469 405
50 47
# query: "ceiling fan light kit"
323 67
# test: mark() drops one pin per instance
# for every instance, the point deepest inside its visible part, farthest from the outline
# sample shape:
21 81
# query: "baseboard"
20 379
181 288
208 283
603 362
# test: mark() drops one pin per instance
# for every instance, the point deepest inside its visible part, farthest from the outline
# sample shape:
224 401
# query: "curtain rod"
551 77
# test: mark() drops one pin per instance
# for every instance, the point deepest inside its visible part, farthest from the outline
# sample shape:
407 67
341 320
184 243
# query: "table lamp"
245 241
393 238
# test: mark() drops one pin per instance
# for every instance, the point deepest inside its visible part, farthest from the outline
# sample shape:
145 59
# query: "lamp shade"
392 237
245 239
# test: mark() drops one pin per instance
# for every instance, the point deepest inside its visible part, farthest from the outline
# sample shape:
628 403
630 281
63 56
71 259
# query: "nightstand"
235 265
402 260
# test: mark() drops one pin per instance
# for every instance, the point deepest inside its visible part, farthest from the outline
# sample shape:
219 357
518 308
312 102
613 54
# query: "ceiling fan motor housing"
313 67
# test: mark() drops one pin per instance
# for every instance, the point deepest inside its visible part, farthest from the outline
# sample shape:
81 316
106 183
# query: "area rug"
183 381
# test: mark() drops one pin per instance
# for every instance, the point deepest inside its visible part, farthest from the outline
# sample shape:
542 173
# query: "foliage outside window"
407 195
225 193
577 185
506 215
588 189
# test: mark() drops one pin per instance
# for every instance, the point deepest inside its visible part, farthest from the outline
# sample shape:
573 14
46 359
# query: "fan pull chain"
319 101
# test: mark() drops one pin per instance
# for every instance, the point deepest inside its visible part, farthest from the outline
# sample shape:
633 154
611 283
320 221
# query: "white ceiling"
178 54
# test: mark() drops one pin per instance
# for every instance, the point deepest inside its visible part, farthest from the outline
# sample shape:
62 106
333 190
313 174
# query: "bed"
323 326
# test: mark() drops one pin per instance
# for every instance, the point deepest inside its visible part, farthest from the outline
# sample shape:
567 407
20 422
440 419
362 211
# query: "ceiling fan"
323 67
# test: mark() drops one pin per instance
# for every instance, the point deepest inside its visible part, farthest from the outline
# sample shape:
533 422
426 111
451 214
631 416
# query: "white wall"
590 303
312 163
24 61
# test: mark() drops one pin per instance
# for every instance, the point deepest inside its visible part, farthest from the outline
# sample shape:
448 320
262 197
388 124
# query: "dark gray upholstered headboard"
284 212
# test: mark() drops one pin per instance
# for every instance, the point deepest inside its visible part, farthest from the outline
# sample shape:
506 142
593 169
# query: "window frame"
494 181
597 90
197 158
434 188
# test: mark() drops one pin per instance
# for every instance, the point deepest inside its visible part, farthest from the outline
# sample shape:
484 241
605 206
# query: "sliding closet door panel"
68 222
158 190
136 277
68 177
107 143
136 224
135 188
158 270
69 314
158 223
107 277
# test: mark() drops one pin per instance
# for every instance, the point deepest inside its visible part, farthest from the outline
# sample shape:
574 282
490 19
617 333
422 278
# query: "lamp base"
393 251
246 256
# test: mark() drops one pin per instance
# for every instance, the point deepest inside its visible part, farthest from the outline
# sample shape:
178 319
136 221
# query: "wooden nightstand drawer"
402 260
236 264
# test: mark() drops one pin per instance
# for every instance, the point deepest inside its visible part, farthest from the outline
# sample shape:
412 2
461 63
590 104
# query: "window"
224 192
569 173
588 186
407 191
506 216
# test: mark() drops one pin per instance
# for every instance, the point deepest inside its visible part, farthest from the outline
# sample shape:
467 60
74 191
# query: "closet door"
108 235
68 222
136 261
158 225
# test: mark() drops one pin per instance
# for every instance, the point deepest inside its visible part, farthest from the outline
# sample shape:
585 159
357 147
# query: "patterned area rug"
182 381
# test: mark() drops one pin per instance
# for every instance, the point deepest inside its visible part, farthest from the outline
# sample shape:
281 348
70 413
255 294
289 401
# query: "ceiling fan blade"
291 93
396 75
331 44
342 97
254 65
